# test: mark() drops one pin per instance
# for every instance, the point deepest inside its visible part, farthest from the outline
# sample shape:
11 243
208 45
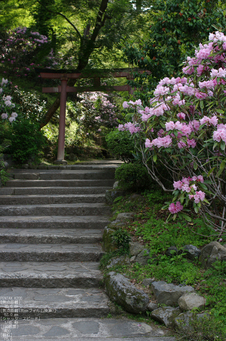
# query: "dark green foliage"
176 28
120 145
133 177
26 142
121 238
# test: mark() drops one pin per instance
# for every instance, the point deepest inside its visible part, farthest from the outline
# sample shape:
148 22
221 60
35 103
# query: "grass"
150 228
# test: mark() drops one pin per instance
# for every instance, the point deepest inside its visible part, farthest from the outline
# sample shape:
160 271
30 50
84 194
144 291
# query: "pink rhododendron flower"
162 142
125 105
219 135
121 127
4 116
178 184
169 125
148 143
11 119
175 208
181 115
191 143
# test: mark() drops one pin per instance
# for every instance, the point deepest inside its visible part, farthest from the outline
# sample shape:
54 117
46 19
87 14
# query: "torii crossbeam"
65 75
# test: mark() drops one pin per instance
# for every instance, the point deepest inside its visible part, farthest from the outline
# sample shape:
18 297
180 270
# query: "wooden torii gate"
65 75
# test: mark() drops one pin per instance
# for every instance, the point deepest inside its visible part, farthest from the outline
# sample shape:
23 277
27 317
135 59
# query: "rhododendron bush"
184 129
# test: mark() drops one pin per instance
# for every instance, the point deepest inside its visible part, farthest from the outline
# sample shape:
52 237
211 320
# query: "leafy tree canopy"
176 28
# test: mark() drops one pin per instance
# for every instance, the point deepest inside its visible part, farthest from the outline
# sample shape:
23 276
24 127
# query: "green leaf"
201 105
196 209
210 171
186 217
155 158
222 166
220 111
195 165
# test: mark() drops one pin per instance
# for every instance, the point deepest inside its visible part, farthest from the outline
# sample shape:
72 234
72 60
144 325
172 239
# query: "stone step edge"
49 236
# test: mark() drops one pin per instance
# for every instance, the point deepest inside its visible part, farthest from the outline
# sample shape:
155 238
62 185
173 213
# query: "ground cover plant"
151 229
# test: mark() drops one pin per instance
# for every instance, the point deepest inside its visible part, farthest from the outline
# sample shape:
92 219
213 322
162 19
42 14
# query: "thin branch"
64 16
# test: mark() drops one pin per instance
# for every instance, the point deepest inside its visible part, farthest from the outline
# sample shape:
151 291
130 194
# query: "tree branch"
64 16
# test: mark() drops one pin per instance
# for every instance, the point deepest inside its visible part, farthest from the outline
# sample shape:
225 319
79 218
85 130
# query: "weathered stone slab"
50 252
58 222
59 183
121 291
169 293
49 236
81 329
52 303
50 274
80 209
51 199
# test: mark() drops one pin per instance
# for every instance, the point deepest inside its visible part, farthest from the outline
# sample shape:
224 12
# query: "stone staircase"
51 223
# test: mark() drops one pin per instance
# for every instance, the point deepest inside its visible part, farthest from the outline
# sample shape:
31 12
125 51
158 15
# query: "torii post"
64 76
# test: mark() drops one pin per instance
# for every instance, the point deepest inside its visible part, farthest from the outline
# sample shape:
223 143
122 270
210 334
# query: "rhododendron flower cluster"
184 128
6 103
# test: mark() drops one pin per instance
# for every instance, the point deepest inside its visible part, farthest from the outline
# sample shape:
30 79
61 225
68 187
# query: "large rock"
108 242
143 257
165 315
125 216
169 294
112 194
185 321
122 260
211 253
135 248
191 251
121 291
191 300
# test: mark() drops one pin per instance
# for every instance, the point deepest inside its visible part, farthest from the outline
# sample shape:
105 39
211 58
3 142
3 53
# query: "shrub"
26 142
120 145
185 128
132 177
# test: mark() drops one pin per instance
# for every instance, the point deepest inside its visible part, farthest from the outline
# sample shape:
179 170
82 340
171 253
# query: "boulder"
135 248
108 242
125 216
143 257
211 253
118 261
112 194
192 252
165 315
147 281
152 306
121 291
191 300
185 321
182 322
169 294
171 251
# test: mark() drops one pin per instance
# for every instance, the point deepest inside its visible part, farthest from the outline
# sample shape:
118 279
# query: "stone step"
60 183
53 302
52 190
11 252
51 199
55 209
56 222
82 329
50 236
50 275
64 174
